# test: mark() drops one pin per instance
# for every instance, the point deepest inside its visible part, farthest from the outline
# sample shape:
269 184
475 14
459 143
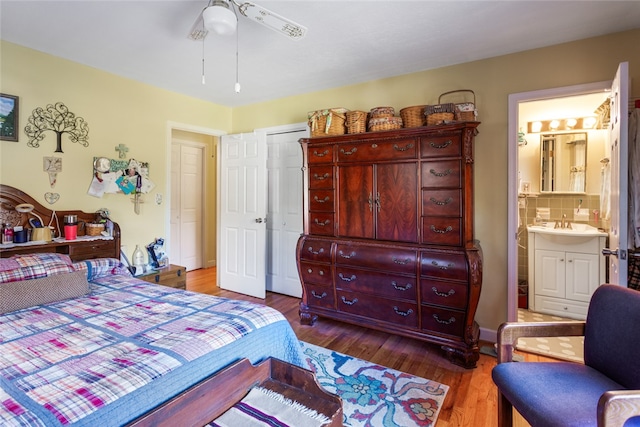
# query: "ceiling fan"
221 18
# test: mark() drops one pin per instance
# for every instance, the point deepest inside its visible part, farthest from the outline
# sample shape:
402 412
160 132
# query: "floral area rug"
373 395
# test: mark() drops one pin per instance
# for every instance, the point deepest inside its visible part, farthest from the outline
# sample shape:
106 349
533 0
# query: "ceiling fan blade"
272 20
198 31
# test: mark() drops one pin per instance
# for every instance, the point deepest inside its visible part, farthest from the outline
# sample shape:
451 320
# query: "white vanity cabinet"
564 271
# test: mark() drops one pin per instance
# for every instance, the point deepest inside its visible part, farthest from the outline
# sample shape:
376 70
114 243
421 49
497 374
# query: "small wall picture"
8 117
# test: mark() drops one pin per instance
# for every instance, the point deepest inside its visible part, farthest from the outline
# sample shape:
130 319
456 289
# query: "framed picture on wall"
8 117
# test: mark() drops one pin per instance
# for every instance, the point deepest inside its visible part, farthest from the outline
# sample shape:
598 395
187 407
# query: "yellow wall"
585 61
121 111
118 111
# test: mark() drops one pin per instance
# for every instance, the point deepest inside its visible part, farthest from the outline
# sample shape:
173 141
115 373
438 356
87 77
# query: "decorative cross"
122 150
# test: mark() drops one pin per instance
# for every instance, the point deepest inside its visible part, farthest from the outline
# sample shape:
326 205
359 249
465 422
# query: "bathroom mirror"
563 162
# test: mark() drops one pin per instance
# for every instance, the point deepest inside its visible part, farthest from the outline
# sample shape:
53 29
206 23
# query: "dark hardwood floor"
472 397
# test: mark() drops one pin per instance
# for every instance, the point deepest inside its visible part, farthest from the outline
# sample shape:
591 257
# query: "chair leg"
505 411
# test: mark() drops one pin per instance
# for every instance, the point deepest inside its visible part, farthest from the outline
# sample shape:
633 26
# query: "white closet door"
186 205
284 225
243 189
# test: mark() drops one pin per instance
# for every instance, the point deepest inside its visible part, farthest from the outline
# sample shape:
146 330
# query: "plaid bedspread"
107 358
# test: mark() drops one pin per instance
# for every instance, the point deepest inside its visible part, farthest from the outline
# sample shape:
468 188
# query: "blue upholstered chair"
604 391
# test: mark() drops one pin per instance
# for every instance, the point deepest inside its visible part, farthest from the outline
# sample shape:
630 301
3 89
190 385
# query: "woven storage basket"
382 112
92 229
439 114
385 123
356 121
327 122
465 111
412 117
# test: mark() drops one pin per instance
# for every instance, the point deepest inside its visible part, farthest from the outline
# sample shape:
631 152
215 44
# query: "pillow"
28 293
34 266
95 268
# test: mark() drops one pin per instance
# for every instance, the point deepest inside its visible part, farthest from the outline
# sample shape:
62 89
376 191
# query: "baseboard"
490 335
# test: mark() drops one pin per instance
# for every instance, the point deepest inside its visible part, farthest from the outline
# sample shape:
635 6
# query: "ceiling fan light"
219 18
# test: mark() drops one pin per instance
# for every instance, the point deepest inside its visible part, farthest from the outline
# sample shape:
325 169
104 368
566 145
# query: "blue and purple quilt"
108 357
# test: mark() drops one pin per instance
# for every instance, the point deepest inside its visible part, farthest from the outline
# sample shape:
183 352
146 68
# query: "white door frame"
171 126
512 188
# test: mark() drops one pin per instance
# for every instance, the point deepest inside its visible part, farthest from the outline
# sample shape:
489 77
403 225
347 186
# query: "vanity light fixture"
558 125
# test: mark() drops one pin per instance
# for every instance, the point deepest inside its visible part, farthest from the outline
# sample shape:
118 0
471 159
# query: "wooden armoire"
388 234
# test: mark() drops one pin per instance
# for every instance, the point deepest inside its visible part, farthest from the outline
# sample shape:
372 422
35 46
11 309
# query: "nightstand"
174 276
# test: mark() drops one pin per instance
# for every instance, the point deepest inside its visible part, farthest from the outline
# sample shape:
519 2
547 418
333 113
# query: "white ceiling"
347 42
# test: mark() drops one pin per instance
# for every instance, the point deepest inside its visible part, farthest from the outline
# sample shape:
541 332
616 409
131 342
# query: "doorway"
517 104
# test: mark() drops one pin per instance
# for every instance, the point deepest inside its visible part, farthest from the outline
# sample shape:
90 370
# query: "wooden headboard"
79 249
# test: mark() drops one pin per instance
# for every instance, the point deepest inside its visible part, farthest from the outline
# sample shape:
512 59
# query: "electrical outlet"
581 214
158 199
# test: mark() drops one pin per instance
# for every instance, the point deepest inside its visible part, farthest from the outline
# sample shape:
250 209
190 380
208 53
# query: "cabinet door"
356 201
550 273
397 202
583 276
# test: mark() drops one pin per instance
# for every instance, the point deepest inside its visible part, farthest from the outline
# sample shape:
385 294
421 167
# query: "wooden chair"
604 391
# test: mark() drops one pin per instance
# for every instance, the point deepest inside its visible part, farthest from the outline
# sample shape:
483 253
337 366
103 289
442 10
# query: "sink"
576 234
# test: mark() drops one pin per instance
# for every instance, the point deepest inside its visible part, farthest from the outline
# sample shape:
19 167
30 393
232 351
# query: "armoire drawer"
386 310
444 293
443 174
442 202
319 274
376 283
441 231
444 265
321 177
376 257
320 296
320 154
440 146
321 223
443 321
321 200
316 250
91 250
373 151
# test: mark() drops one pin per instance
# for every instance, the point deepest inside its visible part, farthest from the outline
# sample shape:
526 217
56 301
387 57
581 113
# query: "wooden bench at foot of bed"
213 396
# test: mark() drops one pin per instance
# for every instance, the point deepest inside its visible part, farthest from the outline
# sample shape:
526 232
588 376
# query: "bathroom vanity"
565 268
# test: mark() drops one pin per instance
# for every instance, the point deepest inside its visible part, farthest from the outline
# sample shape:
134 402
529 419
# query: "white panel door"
174 241
284 225
618 138
191 196
243 194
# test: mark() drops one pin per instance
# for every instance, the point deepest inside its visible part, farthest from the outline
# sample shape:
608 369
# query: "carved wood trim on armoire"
388 234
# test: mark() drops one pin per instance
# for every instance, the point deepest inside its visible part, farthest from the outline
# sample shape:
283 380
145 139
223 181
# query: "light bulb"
237 87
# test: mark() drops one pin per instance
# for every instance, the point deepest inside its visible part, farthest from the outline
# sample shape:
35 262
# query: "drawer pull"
400 288
324 153
401 261
179 273
324 294
347 256
444 322
443 294
441 174
322 223
374 145
157 278
402 313
318 252
321 177
346 301
350 152
441 266
438 230
441 202
325 200
406 147
445 145
347 279
321 273
309 270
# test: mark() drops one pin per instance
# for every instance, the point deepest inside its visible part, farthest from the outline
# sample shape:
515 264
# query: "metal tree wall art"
59 119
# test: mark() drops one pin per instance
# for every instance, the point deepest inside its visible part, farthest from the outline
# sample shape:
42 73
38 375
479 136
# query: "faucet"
564 223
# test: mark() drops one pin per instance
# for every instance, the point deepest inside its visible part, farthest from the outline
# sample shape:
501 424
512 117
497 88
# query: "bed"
102 347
